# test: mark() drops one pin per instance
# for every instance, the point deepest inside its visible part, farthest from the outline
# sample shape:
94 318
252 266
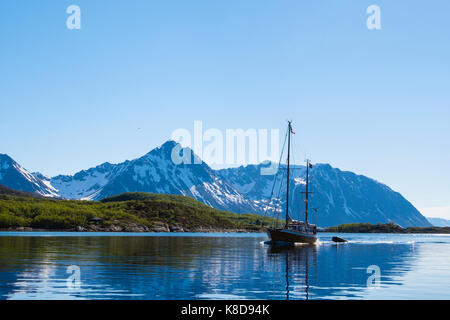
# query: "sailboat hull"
291 236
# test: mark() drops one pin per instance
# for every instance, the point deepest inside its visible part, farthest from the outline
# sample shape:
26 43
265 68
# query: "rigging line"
293 166
293 154
292 177
275 180
275 222
279 199
279 193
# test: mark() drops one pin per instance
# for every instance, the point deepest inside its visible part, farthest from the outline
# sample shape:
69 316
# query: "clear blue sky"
373 102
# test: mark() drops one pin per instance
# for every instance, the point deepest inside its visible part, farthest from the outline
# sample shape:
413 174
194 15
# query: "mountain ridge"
439 222
14 176
340 196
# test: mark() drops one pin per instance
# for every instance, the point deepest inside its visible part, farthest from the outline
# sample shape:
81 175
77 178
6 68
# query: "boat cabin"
302 227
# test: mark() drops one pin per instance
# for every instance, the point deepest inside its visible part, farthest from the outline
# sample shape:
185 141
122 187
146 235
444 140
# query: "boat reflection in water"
222 266
297 261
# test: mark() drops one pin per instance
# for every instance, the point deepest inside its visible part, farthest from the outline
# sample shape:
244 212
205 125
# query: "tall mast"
307 193
287 182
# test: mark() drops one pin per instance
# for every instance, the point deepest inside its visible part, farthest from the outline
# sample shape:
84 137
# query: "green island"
384 228
148 212
129 212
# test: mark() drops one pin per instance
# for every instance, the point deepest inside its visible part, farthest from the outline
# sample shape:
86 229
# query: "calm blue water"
221 266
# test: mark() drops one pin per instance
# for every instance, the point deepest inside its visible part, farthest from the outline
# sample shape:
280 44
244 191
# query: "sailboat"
294 231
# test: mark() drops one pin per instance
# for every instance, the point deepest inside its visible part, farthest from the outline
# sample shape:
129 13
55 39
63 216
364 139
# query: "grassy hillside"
7 191
141 209
143 196
384 228
366 228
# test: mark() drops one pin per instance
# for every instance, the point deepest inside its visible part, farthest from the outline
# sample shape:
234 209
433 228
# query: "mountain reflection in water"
221 266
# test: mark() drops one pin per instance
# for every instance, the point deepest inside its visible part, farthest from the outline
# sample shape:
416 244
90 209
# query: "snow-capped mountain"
86 184
154 172
14 176
339 196
439 222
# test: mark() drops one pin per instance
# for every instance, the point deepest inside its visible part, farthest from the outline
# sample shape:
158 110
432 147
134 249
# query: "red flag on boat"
310 165
292 131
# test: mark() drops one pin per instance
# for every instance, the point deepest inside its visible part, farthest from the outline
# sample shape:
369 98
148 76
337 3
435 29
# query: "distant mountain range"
439 222
14 176
340 197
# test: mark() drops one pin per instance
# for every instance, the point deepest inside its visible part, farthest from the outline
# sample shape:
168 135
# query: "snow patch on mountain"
339 196
14 176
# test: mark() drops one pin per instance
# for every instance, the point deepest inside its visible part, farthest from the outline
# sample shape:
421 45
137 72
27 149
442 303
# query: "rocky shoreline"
132 227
